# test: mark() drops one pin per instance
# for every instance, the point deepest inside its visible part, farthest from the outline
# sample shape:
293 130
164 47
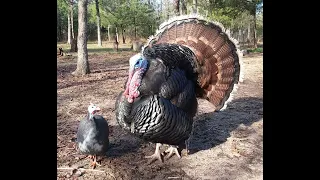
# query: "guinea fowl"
92 135
189 57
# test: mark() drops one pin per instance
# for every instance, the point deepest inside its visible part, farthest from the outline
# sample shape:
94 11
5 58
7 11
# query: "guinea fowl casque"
188 57
92 135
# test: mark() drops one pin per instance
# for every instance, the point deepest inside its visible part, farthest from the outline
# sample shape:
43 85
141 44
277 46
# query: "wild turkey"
188 57
92 135
60 51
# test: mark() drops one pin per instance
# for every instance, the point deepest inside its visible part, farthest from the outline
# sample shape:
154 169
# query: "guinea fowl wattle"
189 57
92 135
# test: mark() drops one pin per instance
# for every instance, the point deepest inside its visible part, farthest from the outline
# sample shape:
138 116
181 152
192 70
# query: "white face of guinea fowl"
93 108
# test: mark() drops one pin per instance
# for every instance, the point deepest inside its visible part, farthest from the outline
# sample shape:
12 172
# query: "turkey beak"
98 109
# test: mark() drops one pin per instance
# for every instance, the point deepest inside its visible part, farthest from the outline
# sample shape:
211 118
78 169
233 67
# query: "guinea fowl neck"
90 115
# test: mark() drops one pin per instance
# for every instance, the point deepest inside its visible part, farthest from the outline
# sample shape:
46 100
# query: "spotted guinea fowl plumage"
92 134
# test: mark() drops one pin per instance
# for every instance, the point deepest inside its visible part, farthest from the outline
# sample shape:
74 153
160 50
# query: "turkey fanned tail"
209 55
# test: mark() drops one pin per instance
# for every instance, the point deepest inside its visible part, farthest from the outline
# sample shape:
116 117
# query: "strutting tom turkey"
188 57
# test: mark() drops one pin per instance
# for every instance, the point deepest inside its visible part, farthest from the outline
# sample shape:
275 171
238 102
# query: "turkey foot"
157 155
173 150
94 162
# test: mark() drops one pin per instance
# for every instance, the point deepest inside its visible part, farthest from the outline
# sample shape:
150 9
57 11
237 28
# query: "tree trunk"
194 6
135 28
123 36
69 29
168 10
239 35
136 46
98 23
61 34
82 63
243 36
109 33
116 40
58 24
71 18
248 35
183 7
255 30
74 47
177 7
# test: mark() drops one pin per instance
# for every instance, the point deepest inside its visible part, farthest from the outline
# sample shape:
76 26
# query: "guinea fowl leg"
173 150
94 162
157 155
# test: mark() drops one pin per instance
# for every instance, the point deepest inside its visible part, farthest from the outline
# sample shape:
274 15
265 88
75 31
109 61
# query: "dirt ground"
223 145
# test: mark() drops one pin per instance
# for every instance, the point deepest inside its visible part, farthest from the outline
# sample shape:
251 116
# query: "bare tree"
248 34
69 29
194 6
98 23
123 35
168 9
109 33
177 7
59 29
255 30
71 17
83 63
70 20
183 6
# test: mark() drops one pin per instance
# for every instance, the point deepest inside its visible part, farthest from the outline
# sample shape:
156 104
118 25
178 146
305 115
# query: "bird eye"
137 64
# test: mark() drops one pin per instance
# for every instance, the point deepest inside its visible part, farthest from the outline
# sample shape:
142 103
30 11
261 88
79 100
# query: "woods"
133 21
138 19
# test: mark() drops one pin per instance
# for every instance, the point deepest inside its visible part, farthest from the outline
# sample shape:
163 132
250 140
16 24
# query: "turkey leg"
173 150
94 162
157 155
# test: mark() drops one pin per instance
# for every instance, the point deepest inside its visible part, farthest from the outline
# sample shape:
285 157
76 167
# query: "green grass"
258 50
94 48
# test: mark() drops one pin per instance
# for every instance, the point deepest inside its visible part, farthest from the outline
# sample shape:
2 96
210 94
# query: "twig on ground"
84 170
61 146
68 112
81 169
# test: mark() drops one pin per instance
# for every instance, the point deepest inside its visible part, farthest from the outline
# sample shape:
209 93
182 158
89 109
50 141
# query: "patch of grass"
257 50
94 48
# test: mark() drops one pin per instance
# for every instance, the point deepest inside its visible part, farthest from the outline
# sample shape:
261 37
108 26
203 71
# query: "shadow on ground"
212 129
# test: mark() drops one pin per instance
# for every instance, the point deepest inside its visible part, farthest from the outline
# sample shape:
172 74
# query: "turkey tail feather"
218 58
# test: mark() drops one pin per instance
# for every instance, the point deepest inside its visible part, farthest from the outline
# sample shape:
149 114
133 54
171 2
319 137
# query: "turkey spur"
188 58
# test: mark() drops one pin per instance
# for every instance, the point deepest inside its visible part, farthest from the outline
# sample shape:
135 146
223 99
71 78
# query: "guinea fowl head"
92 108
138 65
